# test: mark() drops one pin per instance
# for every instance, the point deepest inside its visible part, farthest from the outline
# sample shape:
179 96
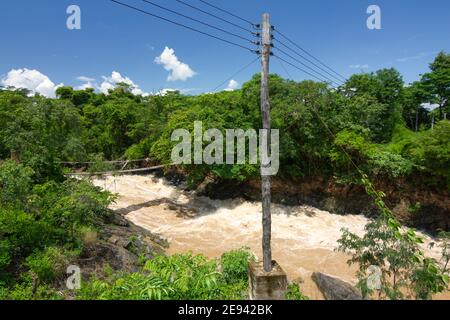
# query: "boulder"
94 258
118 220
335 289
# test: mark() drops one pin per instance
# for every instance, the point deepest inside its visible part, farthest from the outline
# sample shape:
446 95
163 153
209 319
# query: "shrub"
5 254
403 274
21 234
49 264
178 277
28 291
294 293
42 224
370 157
71 205
234 265
15 184
184 276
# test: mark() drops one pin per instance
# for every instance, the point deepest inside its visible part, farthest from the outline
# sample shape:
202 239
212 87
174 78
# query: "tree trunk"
417 120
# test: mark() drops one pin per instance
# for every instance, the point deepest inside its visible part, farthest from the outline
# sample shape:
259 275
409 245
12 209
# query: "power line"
325 78
213 15
198 21
284 45
305 65
236 73
302 56
309 54
293 65
333 136
184 26
227 12
284 68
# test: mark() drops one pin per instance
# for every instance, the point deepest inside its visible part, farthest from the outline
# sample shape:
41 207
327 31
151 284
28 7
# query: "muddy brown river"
303 238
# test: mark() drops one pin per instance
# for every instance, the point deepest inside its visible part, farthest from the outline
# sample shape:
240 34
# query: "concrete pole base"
267 285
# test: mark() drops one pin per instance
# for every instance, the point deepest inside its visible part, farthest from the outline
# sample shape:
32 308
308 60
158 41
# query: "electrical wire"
236 73
183 25
227 12
309 54
306 66
213 15
293 65
333 136
303 57
198 21
284 68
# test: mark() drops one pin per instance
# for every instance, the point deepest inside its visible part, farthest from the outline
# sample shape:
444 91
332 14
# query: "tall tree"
380 93
414 113
438 82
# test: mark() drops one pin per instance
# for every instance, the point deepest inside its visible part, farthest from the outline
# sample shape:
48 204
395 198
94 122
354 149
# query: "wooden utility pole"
267 280
265 110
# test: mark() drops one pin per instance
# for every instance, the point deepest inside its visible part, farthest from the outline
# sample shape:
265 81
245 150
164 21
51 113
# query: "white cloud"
359 66
165 91
105 87
178 70
85 79
411 58
88 83
418 56
232 85
32 80
116 78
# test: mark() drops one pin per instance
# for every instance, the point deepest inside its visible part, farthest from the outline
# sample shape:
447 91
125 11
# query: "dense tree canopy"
368 117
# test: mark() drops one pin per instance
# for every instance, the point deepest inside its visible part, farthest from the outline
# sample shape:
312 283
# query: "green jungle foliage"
375 118
42 227
178 277
181 277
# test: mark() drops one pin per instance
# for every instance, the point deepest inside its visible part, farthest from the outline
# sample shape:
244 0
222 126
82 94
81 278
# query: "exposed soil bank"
423 209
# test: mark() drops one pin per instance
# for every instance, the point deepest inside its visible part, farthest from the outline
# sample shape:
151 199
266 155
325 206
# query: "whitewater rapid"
304 238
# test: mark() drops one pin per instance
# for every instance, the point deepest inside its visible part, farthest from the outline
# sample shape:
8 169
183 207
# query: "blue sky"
113 38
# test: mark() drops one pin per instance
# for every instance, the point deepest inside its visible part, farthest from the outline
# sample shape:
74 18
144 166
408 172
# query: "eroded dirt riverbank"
303 238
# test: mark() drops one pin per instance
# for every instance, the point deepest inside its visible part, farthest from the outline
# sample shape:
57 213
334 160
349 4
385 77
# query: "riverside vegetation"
378 124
